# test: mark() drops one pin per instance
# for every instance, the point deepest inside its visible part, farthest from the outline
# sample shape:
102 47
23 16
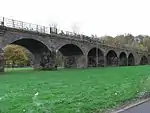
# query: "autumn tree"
121 40
139 42
146 42
16 55
108 40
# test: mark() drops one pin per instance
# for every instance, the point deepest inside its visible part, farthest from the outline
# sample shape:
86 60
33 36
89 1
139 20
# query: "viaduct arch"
131 60
123 59
43 56
95 57
72 54
111 58
144 60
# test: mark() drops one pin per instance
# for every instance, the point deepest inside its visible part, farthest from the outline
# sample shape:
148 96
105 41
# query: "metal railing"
11 23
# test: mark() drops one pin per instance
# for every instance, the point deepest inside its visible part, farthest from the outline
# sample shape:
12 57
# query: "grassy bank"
68 91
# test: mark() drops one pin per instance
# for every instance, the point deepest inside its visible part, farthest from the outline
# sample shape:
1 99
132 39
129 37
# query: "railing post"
44 29
29 27
3 21
50 30
56 30
13 23
37 28
22 25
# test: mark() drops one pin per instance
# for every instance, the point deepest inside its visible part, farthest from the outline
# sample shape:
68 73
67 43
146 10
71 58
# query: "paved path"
142 108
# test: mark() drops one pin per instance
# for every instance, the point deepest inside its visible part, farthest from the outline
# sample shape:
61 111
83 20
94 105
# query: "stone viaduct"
79 51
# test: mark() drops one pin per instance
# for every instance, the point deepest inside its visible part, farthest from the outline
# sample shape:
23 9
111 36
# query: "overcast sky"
100 17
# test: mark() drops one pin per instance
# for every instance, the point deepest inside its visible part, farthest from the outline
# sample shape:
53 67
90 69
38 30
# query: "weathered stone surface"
75 49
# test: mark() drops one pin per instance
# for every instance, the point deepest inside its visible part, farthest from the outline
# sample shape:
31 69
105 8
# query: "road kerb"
131 106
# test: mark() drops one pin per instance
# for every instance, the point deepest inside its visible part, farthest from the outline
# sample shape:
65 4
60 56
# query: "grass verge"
69 91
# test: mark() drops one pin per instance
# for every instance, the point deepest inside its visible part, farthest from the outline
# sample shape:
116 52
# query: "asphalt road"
142 108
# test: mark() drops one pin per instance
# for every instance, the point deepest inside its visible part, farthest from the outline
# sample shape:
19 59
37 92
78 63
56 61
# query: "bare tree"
75 27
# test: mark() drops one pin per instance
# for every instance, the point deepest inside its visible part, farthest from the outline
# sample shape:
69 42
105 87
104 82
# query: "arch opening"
42 56
95 58
131 61
72 56
111 58
122 59
144 60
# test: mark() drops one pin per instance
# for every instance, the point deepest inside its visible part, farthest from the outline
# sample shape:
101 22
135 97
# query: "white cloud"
99 17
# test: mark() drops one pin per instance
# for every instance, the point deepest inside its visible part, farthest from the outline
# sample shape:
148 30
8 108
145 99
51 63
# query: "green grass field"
69 91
